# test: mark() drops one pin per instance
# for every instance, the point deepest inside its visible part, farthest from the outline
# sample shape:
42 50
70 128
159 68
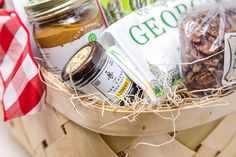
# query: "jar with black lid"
92 71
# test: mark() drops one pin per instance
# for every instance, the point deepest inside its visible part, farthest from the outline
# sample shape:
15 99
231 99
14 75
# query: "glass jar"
61 27
92 71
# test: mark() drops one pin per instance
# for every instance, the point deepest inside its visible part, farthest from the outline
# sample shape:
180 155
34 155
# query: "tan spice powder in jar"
61 27
57 34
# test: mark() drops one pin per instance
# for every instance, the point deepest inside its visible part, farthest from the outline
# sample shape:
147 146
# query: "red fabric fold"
1 3
23 90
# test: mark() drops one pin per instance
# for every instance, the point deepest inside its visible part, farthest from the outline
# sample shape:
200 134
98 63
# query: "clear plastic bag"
204 37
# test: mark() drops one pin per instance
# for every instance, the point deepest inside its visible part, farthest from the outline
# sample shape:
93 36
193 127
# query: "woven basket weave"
147 123
50 134
57 131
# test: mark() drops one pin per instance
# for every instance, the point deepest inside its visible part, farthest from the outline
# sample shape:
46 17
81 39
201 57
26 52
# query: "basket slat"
229 150
19 132
69 140
87 143
61 148
42 127
118 144
192 138
223 133
174 149
205 152
61 118
40 152
33 130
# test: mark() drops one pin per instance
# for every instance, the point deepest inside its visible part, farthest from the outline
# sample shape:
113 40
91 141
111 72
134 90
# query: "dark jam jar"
92 71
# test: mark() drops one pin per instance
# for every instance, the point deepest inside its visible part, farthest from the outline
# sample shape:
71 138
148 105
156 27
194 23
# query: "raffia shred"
176 99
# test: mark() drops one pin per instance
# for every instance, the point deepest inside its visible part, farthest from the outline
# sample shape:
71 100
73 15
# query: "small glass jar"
61 27
92 71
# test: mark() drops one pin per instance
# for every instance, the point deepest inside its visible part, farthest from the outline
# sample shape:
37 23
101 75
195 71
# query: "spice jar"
92 71
63 26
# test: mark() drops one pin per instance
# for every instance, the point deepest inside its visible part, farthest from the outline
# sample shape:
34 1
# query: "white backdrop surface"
9 147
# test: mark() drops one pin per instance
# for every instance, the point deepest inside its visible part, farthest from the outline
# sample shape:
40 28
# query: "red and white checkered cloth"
23 90
1 3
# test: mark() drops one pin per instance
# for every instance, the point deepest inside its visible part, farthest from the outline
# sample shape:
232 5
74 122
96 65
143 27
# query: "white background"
9 147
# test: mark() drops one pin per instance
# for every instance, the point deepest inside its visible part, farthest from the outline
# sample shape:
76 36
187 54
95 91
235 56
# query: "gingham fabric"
1 3
23 90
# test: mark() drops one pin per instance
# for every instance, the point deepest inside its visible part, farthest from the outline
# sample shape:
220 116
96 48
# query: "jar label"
55 58
111 82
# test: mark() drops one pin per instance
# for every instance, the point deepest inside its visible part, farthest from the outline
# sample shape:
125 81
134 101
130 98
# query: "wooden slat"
223 133
230 149
192 138
118 144
206 152
34 130
88 143
44 126
51 124
19 133
62 119
174 149
40 151
61 148
79 142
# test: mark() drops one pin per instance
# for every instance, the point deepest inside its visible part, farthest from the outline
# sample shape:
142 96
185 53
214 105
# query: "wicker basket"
57 131
93 117
50 134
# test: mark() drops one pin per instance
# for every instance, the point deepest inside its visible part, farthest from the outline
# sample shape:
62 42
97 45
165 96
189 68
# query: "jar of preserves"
63 26
92 71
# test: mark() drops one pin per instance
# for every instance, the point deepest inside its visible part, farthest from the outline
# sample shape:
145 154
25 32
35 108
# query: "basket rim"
52 80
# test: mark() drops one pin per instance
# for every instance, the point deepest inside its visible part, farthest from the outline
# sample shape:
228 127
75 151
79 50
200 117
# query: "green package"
116 9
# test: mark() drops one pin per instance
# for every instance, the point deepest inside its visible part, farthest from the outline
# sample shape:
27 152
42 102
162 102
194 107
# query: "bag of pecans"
148 39
208 46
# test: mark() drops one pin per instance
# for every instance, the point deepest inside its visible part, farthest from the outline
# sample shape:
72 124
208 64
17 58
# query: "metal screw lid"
39 10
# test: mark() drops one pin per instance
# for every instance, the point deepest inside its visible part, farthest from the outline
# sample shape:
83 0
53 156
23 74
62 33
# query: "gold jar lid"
40 10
